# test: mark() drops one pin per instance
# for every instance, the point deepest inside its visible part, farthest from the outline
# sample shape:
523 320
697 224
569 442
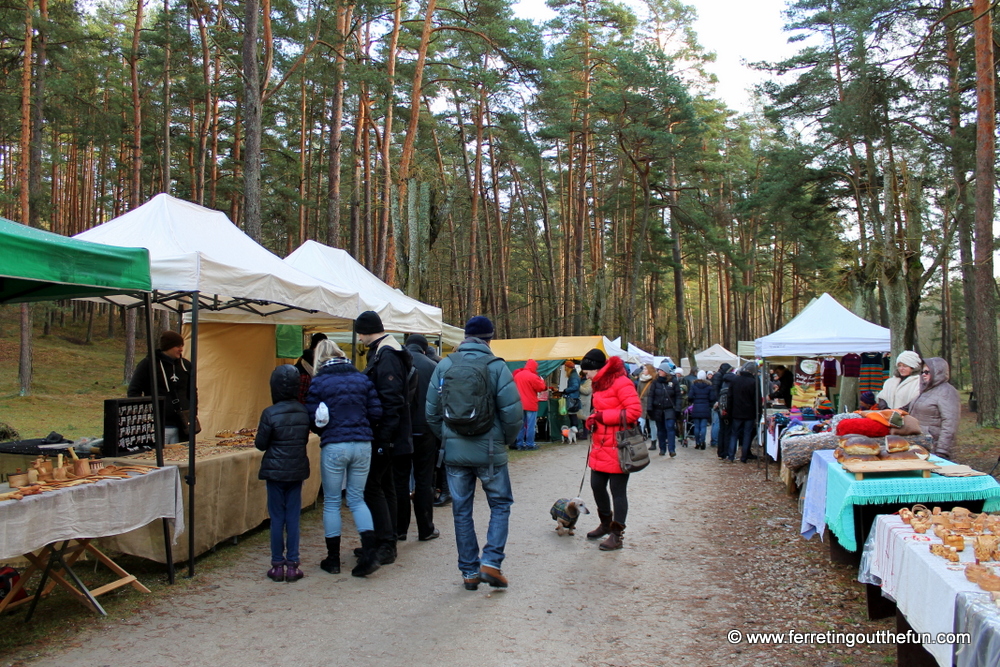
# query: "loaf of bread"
898 456
861 445
896 443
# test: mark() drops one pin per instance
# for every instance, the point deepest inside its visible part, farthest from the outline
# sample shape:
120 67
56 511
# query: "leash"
586 464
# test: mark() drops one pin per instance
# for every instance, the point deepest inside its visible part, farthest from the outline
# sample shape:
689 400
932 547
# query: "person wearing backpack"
389 370
529 383
663 399
720 411
474 408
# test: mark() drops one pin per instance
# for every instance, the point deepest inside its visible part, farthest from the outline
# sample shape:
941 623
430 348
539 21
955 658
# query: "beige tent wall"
234 369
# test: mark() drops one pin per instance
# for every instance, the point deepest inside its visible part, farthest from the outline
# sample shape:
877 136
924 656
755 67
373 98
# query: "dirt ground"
710 547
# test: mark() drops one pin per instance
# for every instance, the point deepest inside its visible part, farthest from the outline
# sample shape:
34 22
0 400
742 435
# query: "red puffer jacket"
529 383
613 392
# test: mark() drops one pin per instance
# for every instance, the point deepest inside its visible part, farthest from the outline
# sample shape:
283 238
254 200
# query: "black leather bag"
633 455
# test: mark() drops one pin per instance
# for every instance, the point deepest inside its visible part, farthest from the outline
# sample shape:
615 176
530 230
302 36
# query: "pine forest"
572 176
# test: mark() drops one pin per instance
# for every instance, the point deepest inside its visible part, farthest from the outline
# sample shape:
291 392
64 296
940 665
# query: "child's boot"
277 571
293 573
331 563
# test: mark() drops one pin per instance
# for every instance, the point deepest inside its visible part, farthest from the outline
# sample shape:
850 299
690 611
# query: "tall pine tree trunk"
251 121
24 370
985 380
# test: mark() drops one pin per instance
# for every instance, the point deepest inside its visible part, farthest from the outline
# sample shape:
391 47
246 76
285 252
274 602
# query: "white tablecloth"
109 507
814 503
920 582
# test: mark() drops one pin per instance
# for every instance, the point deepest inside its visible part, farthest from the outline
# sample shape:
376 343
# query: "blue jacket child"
282 435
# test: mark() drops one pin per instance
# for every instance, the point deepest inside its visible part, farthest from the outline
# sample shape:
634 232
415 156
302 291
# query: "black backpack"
468 396
724 400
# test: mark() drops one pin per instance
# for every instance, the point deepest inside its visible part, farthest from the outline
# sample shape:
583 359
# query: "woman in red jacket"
614 393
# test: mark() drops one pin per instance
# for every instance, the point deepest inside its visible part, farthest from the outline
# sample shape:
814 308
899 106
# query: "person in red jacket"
529 383
614 401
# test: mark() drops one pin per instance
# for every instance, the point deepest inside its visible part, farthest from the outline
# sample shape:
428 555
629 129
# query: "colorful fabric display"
851 365
871 378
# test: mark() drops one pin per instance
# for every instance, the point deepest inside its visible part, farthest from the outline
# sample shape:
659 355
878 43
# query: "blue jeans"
526 436
700 426
742 434
337 461
284 505
716 424
666 431
462 485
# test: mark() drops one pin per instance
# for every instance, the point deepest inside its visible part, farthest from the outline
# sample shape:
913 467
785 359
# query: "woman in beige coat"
938 406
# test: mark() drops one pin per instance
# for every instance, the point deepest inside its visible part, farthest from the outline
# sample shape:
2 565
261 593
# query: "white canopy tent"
824 328
711 358
196 249
338 268
640 355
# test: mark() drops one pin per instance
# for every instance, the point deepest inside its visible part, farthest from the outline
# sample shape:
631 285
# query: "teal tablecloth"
843 492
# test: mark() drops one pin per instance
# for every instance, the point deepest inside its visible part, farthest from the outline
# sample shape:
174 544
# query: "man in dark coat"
721 422
746 404
425 454
388 369
173 378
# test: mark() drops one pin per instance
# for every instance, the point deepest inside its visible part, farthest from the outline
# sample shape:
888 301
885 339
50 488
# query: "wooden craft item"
32 476
957 542
17 479
861 468
984 546
81 468
59 474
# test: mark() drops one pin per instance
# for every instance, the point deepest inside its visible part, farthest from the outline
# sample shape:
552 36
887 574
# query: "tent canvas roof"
39 265
555 347
338 268
711 358
196 249
824 327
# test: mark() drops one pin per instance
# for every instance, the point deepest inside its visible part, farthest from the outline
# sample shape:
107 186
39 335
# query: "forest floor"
710 547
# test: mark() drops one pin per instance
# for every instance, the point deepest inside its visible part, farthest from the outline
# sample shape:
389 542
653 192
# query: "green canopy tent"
36 265
41 266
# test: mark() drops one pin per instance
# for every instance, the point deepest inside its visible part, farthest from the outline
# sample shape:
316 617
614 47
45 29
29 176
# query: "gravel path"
694 567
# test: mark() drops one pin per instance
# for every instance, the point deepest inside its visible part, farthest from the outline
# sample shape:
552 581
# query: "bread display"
896 444
861 445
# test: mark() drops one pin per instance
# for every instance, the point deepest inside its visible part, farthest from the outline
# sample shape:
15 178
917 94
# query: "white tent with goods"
710 359
200 262
824 328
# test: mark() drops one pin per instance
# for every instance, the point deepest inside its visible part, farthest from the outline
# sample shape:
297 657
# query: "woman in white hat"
904 385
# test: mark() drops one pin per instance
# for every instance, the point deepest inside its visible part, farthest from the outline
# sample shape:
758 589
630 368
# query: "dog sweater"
558 511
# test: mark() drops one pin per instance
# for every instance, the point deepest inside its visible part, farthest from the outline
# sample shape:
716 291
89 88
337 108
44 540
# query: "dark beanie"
418 340
170 339
316 338
368 322
593 360
479 327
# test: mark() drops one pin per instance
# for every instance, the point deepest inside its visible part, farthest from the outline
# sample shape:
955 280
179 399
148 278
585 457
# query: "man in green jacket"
474 408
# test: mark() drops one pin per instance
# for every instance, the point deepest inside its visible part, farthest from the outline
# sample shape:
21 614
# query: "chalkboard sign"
128 425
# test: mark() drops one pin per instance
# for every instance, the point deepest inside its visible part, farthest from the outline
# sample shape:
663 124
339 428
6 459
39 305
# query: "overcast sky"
737 31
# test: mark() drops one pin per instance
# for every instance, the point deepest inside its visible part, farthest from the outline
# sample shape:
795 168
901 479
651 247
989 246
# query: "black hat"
170 339
593 360
316 338
368 322
418 340
479 327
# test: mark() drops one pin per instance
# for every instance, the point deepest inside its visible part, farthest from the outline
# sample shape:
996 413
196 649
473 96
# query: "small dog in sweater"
566 511
569 434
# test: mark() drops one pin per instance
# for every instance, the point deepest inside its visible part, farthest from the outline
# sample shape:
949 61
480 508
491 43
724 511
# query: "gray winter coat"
938 406
491 447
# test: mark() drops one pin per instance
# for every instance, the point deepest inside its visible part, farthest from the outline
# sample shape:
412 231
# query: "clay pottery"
17 479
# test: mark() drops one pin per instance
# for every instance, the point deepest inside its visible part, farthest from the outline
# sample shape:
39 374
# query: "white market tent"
711 358
196 249
824 328
338 268
640 355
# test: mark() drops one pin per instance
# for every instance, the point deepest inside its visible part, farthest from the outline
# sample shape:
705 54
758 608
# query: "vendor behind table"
173 374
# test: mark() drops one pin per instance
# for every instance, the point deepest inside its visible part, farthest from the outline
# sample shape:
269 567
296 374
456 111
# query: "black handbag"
633 455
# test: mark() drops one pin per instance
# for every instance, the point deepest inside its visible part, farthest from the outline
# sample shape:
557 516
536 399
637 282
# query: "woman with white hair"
899 390
343 404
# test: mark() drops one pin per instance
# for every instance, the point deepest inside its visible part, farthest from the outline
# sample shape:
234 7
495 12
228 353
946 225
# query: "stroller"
683 425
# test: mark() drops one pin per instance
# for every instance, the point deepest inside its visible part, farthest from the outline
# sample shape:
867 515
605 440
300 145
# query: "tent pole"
192 436
158 428
354 346
762 428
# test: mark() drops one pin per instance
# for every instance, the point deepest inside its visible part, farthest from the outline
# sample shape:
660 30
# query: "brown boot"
603 529
614 540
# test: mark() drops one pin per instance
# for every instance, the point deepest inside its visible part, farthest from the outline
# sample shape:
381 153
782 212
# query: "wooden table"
53 530
229 499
